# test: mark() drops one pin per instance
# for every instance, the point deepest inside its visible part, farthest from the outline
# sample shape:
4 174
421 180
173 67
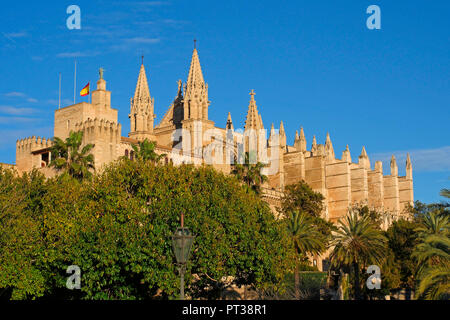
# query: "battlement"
32 153
32 144
97 124
106 137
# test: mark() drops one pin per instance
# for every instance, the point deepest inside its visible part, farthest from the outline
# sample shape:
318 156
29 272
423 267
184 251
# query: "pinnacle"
296 135
363 152
282 128
195 78
229 122
302 134
142 91
253 120
393 160
328 140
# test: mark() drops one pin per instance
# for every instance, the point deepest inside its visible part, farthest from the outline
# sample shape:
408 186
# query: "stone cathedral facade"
186 135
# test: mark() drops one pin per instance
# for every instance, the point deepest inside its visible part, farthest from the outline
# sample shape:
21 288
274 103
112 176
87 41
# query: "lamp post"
182 241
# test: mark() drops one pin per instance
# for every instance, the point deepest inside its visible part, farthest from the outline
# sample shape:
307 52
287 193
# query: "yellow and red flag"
85 90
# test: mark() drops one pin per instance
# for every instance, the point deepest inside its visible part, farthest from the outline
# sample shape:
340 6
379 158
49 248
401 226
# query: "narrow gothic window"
126 153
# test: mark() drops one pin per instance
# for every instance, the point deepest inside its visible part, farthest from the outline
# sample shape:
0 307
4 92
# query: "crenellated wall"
28 155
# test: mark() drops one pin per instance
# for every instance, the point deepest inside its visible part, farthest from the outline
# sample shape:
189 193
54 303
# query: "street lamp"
182 241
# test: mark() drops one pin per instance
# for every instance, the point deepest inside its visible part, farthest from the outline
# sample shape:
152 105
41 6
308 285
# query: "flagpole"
75 82
59 93
89 92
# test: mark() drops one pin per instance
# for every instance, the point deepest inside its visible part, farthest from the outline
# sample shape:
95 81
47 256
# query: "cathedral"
186 135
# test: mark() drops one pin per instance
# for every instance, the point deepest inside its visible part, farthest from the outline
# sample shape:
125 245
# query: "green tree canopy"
117 228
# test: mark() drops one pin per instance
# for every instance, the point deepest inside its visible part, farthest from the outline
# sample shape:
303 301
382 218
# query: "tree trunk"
297 283
356 284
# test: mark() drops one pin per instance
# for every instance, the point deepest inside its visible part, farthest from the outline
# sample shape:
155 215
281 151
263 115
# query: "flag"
85 90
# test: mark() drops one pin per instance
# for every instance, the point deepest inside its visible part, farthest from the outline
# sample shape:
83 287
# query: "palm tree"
357 242
145 150
307 239
433 256
67 157
433 223
250 173
434 283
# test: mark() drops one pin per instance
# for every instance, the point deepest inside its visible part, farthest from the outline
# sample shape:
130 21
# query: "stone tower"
142 110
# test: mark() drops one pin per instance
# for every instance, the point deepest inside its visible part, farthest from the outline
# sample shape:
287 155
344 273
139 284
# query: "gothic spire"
142 93
142 108
195 83
195 92
254 120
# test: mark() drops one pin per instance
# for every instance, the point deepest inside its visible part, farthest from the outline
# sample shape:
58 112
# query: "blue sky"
311 63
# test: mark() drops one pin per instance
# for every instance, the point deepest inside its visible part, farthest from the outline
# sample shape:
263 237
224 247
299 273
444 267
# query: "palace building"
186 135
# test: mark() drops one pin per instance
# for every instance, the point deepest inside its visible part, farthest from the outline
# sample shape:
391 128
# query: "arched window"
126 153
132 155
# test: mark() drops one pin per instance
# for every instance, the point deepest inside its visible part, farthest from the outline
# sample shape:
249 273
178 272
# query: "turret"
101 97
